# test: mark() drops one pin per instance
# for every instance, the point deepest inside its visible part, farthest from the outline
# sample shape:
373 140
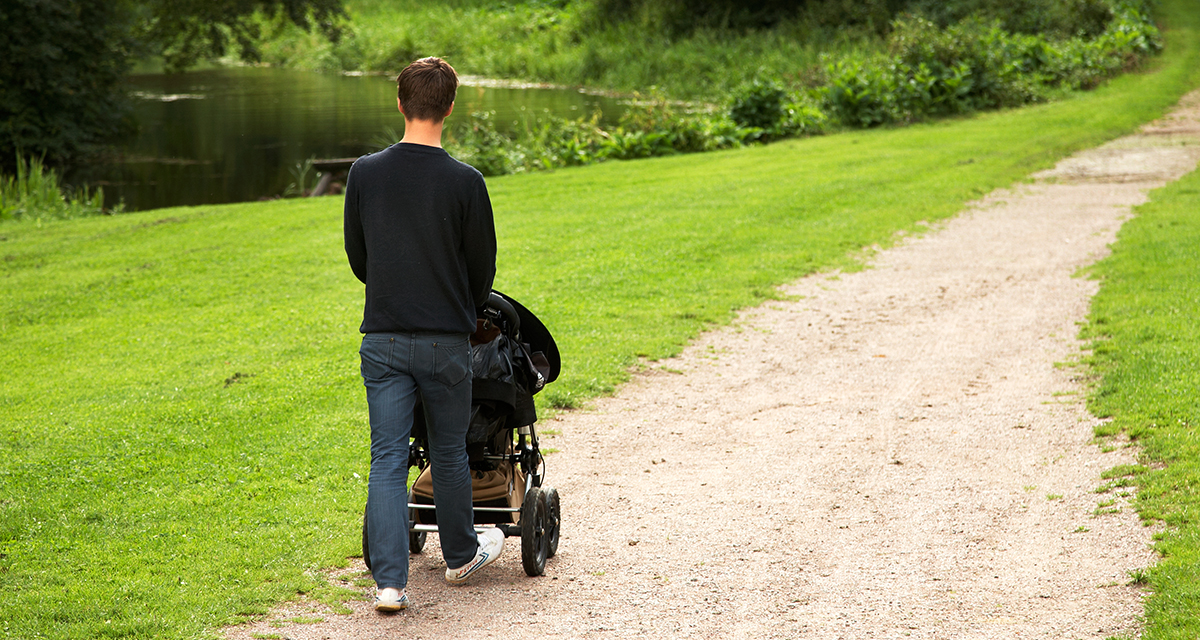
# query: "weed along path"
890 454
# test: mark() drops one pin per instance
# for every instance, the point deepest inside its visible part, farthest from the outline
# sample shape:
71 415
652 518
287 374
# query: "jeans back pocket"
451 362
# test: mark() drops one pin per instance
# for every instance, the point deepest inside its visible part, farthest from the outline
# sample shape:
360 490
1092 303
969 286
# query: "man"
419 234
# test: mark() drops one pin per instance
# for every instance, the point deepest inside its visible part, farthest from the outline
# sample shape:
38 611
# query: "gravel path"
892 455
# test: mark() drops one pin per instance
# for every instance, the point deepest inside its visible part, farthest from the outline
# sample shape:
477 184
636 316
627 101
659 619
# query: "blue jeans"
395 368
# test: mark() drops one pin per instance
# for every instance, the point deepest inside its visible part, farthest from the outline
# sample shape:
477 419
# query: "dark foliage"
685 14
678 17
60 61
1059 18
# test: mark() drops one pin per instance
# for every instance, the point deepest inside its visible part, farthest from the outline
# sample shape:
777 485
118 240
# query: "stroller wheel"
553 520
534 533
416 539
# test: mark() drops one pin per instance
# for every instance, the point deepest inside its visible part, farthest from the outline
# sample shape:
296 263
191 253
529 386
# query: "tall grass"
37 193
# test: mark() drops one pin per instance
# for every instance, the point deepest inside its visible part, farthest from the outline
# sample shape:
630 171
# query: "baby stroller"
513 357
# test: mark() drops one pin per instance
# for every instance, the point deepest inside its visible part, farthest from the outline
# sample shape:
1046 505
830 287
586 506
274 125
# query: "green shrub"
559 142
759 104
862 91
803 117
974 65
1131 35
970 66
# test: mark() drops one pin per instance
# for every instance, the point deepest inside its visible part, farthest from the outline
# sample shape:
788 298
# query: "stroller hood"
536 335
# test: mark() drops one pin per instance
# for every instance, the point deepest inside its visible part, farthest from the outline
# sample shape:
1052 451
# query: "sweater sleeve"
352 228
479 244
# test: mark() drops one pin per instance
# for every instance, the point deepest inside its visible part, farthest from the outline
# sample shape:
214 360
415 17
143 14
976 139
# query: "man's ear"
400 107
448 111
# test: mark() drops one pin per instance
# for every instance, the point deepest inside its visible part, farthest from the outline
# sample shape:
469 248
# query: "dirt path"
893 455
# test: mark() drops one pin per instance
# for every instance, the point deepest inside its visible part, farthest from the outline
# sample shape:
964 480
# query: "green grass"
180 406
1146 326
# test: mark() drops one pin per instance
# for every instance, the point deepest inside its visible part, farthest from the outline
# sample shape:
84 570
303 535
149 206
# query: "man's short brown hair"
426 89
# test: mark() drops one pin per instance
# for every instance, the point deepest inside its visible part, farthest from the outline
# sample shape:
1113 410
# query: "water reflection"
232 135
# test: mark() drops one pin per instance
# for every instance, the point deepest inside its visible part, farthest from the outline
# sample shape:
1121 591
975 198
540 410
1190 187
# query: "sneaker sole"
391 607
400 605
471 571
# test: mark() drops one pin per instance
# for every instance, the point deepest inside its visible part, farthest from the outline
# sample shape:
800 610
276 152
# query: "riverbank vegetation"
180 399
1145 334
688 50
827 66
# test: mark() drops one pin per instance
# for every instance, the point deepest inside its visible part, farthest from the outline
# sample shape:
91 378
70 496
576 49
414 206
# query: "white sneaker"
390 599
491 544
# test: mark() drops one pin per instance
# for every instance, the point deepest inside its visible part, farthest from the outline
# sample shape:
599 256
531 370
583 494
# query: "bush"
802 117
862 92
661 122
759 104
973 65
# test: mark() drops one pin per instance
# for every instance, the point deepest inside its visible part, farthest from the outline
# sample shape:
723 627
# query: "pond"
238 134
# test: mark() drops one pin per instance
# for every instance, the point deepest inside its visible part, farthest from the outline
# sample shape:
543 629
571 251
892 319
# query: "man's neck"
424 132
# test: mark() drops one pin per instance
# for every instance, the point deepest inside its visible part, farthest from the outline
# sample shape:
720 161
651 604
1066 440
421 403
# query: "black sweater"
419 233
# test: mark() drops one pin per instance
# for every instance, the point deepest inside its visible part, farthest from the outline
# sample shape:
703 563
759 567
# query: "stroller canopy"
535 334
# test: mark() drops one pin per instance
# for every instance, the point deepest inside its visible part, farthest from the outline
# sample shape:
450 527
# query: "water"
235 135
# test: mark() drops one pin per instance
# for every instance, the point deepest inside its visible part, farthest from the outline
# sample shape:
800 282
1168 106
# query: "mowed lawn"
183 425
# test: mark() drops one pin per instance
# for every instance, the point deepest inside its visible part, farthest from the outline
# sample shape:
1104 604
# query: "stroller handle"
497 302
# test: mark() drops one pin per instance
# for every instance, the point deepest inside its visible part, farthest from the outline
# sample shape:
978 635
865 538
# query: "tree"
186 31
61 61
